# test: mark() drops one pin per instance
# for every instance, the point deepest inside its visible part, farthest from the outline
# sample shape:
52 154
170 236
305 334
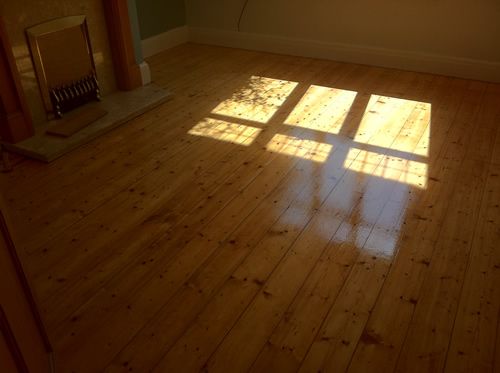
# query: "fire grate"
70 96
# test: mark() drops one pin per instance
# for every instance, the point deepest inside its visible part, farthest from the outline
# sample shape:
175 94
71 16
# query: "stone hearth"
121 107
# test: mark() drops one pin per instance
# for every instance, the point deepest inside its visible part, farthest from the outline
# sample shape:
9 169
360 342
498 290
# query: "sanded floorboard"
278 214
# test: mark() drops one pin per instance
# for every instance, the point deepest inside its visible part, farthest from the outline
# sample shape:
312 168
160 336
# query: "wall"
20 15
461 29
136 32
158 16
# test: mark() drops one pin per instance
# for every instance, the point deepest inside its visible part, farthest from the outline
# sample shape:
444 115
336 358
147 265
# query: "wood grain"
278 214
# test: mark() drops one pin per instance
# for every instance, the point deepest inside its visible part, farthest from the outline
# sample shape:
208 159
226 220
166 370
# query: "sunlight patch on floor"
415 130
390 168
425 141
258 100
395 116
225 131
302 148
322 109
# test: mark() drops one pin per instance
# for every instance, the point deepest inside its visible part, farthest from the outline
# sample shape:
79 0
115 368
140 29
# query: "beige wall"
452 28
20 14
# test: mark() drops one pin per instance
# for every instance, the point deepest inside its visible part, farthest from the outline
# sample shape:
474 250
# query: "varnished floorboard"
279 214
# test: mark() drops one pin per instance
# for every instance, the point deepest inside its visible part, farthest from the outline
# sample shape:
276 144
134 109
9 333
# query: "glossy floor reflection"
389 127
279 214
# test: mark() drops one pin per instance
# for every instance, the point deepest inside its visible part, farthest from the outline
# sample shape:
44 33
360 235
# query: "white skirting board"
164 41
399 59
429 63
145 73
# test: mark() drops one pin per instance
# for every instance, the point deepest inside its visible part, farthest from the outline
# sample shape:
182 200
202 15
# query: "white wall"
457 29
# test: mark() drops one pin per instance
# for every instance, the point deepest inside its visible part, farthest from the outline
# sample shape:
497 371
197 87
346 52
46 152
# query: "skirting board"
145 73
421 62
163 41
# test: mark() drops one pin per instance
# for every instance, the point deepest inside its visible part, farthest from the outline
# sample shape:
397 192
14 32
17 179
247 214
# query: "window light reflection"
303 148
322 108
395 116
258 100
390 168
225 131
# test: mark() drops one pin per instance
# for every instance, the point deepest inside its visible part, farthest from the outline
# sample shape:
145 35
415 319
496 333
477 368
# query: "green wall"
136 34
157 16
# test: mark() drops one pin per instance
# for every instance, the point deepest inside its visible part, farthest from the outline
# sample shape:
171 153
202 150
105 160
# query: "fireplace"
80 50
19 16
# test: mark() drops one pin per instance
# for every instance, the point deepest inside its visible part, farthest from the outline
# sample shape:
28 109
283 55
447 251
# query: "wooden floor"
279 214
